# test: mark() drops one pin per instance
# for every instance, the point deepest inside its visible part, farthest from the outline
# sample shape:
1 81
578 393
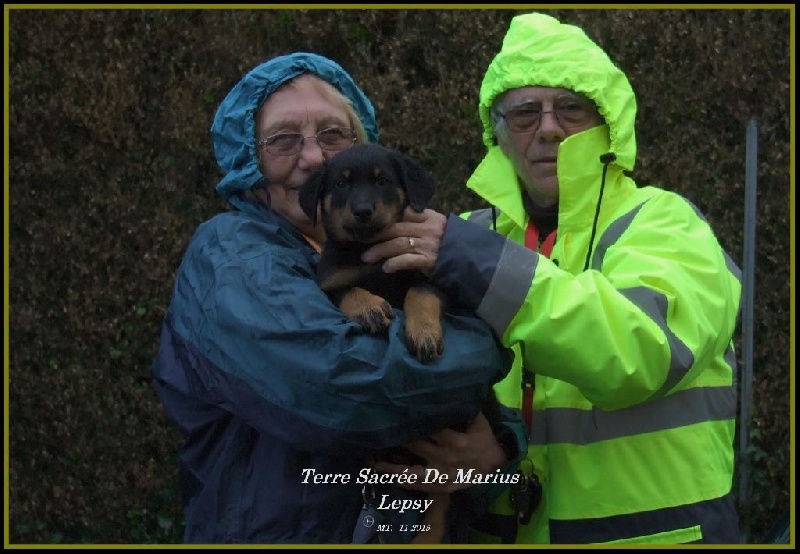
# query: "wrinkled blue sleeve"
249 333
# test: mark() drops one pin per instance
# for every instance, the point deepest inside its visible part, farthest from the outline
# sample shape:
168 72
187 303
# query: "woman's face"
299 108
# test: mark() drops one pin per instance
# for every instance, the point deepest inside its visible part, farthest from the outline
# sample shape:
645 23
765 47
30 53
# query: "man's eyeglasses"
569 112
331 139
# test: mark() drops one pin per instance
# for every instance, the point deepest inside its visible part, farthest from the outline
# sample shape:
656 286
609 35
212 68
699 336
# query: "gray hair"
499 128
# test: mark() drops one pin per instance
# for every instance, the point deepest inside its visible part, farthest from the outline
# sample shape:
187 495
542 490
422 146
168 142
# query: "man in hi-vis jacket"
617 299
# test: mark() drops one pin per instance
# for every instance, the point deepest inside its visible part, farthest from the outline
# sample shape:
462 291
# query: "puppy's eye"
383 181
340 184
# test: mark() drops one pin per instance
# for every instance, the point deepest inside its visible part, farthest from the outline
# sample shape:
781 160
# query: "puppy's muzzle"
363 211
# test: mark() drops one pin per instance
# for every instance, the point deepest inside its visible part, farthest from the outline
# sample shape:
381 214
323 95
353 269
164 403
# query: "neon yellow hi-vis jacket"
632 358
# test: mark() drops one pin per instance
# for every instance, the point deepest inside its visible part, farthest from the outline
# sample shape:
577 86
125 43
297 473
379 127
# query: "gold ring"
410 244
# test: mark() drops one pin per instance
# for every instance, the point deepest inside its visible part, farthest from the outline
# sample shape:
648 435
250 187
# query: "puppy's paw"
376 319
424 335
372 312
426 345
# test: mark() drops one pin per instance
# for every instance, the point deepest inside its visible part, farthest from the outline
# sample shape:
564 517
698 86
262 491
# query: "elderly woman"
279 398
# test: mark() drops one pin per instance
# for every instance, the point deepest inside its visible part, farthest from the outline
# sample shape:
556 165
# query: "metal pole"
748 278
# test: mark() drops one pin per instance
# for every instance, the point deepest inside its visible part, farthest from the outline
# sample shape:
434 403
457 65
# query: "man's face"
538 119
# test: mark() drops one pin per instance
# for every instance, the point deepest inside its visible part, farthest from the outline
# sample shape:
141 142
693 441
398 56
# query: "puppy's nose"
363 211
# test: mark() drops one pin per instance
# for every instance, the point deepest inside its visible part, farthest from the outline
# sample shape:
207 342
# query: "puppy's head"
363 190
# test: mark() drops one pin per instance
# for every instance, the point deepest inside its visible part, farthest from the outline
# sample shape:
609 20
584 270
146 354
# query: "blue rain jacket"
267 381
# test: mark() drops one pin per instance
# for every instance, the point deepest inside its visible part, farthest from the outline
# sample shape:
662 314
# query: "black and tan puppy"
360 192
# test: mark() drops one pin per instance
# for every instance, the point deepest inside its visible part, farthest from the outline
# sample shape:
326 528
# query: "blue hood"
233 129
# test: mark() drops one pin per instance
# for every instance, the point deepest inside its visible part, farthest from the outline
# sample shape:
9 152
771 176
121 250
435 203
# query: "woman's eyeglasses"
331 139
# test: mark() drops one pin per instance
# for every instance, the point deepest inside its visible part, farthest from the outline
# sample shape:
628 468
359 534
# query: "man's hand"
447 451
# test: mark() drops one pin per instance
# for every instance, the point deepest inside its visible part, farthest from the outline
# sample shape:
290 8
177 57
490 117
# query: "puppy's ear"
417 181
310 193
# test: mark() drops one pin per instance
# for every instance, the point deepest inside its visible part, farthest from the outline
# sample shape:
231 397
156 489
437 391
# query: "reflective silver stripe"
651 303
730 359
681 358
509 286
686 407
481 217
732 267
611 235
615 230
715 520
729 263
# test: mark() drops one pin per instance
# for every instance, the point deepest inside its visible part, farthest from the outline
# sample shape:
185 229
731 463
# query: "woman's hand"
410 244
448 451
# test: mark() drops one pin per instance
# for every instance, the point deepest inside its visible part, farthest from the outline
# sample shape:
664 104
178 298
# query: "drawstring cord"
605 159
